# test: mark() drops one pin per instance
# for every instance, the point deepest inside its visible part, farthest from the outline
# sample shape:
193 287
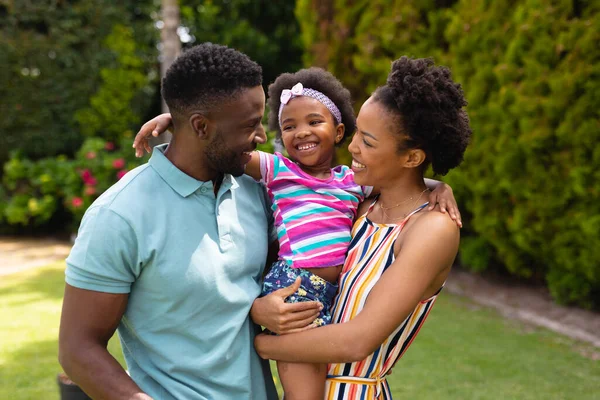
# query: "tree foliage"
266 31
51 58
530 183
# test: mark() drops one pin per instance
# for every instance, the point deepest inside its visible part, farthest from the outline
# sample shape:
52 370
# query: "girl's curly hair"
317 79
428 105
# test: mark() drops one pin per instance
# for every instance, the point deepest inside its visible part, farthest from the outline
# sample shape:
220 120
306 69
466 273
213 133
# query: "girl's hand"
154 127
444 196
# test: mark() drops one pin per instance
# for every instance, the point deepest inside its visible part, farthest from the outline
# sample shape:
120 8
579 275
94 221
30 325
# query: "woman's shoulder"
432 224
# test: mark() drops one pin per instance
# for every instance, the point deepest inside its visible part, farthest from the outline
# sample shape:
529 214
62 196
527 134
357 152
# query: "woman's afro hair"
317 79
429 106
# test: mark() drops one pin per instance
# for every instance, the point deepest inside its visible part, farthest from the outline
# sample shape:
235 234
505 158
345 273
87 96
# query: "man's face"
238 130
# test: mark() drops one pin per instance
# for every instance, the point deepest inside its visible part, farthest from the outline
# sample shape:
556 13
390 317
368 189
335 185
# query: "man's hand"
272 312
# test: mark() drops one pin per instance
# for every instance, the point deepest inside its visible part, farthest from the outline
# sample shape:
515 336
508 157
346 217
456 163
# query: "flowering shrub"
33 191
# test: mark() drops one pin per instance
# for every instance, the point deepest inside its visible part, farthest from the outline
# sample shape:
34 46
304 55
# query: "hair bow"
287 94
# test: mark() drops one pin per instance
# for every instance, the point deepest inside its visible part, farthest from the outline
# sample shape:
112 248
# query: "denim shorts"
312 288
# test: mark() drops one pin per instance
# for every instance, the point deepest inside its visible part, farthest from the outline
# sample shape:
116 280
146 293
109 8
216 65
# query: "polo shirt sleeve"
104 256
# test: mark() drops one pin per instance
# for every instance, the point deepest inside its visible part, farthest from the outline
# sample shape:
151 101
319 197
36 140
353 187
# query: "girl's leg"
302 381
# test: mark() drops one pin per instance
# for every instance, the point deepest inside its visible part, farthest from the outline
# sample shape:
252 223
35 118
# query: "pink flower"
121 173
119 163
77 202
89 190
90 155
88 178
110 146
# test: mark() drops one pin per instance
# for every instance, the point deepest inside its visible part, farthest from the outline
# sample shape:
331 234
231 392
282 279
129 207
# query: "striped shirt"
313 216
370 254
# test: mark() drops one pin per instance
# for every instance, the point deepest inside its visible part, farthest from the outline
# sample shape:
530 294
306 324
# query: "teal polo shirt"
191 262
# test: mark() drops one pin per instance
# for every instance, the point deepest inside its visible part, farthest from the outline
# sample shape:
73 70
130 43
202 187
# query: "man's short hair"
206 75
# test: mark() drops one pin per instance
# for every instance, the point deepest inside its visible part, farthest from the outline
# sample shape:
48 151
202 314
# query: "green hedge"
265 30
34 192
530 184
51 58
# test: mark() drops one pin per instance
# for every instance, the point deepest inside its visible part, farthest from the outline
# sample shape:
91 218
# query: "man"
173 254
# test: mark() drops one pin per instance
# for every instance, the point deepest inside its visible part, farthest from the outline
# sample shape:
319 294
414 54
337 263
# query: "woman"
401 254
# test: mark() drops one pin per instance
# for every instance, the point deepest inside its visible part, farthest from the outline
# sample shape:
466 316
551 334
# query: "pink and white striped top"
313 216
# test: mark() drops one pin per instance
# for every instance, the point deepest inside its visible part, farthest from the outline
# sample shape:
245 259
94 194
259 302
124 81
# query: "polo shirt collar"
181 182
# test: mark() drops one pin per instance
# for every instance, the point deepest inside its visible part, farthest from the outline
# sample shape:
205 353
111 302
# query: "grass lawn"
463 352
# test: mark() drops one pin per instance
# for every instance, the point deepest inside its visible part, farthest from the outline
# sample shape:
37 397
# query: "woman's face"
374 148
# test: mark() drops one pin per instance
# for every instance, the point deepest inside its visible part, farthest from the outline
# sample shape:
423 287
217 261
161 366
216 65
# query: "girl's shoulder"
343 170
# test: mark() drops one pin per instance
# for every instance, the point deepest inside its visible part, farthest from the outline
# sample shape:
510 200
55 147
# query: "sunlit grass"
30 304
463 351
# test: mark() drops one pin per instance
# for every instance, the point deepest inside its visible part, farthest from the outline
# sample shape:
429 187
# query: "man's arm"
89 319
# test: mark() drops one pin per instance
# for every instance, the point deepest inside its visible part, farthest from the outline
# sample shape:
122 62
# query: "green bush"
530 184
36 191
125 93
532 77
51 57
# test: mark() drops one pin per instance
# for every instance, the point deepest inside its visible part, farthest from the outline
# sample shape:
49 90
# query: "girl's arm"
160 124
428 249
441 193
253 167
154 127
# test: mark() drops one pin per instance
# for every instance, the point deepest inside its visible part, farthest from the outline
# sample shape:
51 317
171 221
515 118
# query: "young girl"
314 204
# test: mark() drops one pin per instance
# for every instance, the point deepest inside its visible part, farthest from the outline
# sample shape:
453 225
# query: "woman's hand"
443 195
154 127
272 312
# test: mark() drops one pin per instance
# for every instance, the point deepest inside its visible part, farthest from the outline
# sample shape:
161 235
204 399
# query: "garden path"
19 254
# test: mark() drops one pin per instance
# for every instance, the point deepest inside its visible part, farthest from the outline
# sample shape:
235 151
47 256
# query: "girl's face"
374 148
309 132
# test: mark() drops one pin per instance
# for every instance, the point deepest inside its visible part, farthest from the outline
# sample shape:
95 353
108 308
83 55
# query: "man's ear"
200 125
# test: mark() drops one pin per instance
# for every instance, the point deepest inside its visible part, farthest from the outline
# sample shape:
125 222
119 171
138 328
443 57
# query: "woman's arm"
428 249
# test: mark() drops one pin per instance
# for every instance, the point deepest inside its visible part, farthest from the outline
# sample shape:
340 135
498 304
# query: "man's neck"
191 161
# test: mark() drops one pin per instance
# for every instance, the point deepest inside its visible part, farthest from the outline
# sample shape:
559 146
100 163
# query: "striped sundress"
371 252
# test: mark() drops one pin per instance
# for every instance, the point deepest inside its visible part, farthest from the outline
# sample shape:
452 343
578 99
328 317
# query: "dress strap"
416 210
370 207
413 212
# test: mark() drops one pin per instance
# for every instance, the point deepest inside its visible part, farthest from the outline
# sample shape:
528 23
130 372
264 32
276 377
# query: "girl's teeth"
306 146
